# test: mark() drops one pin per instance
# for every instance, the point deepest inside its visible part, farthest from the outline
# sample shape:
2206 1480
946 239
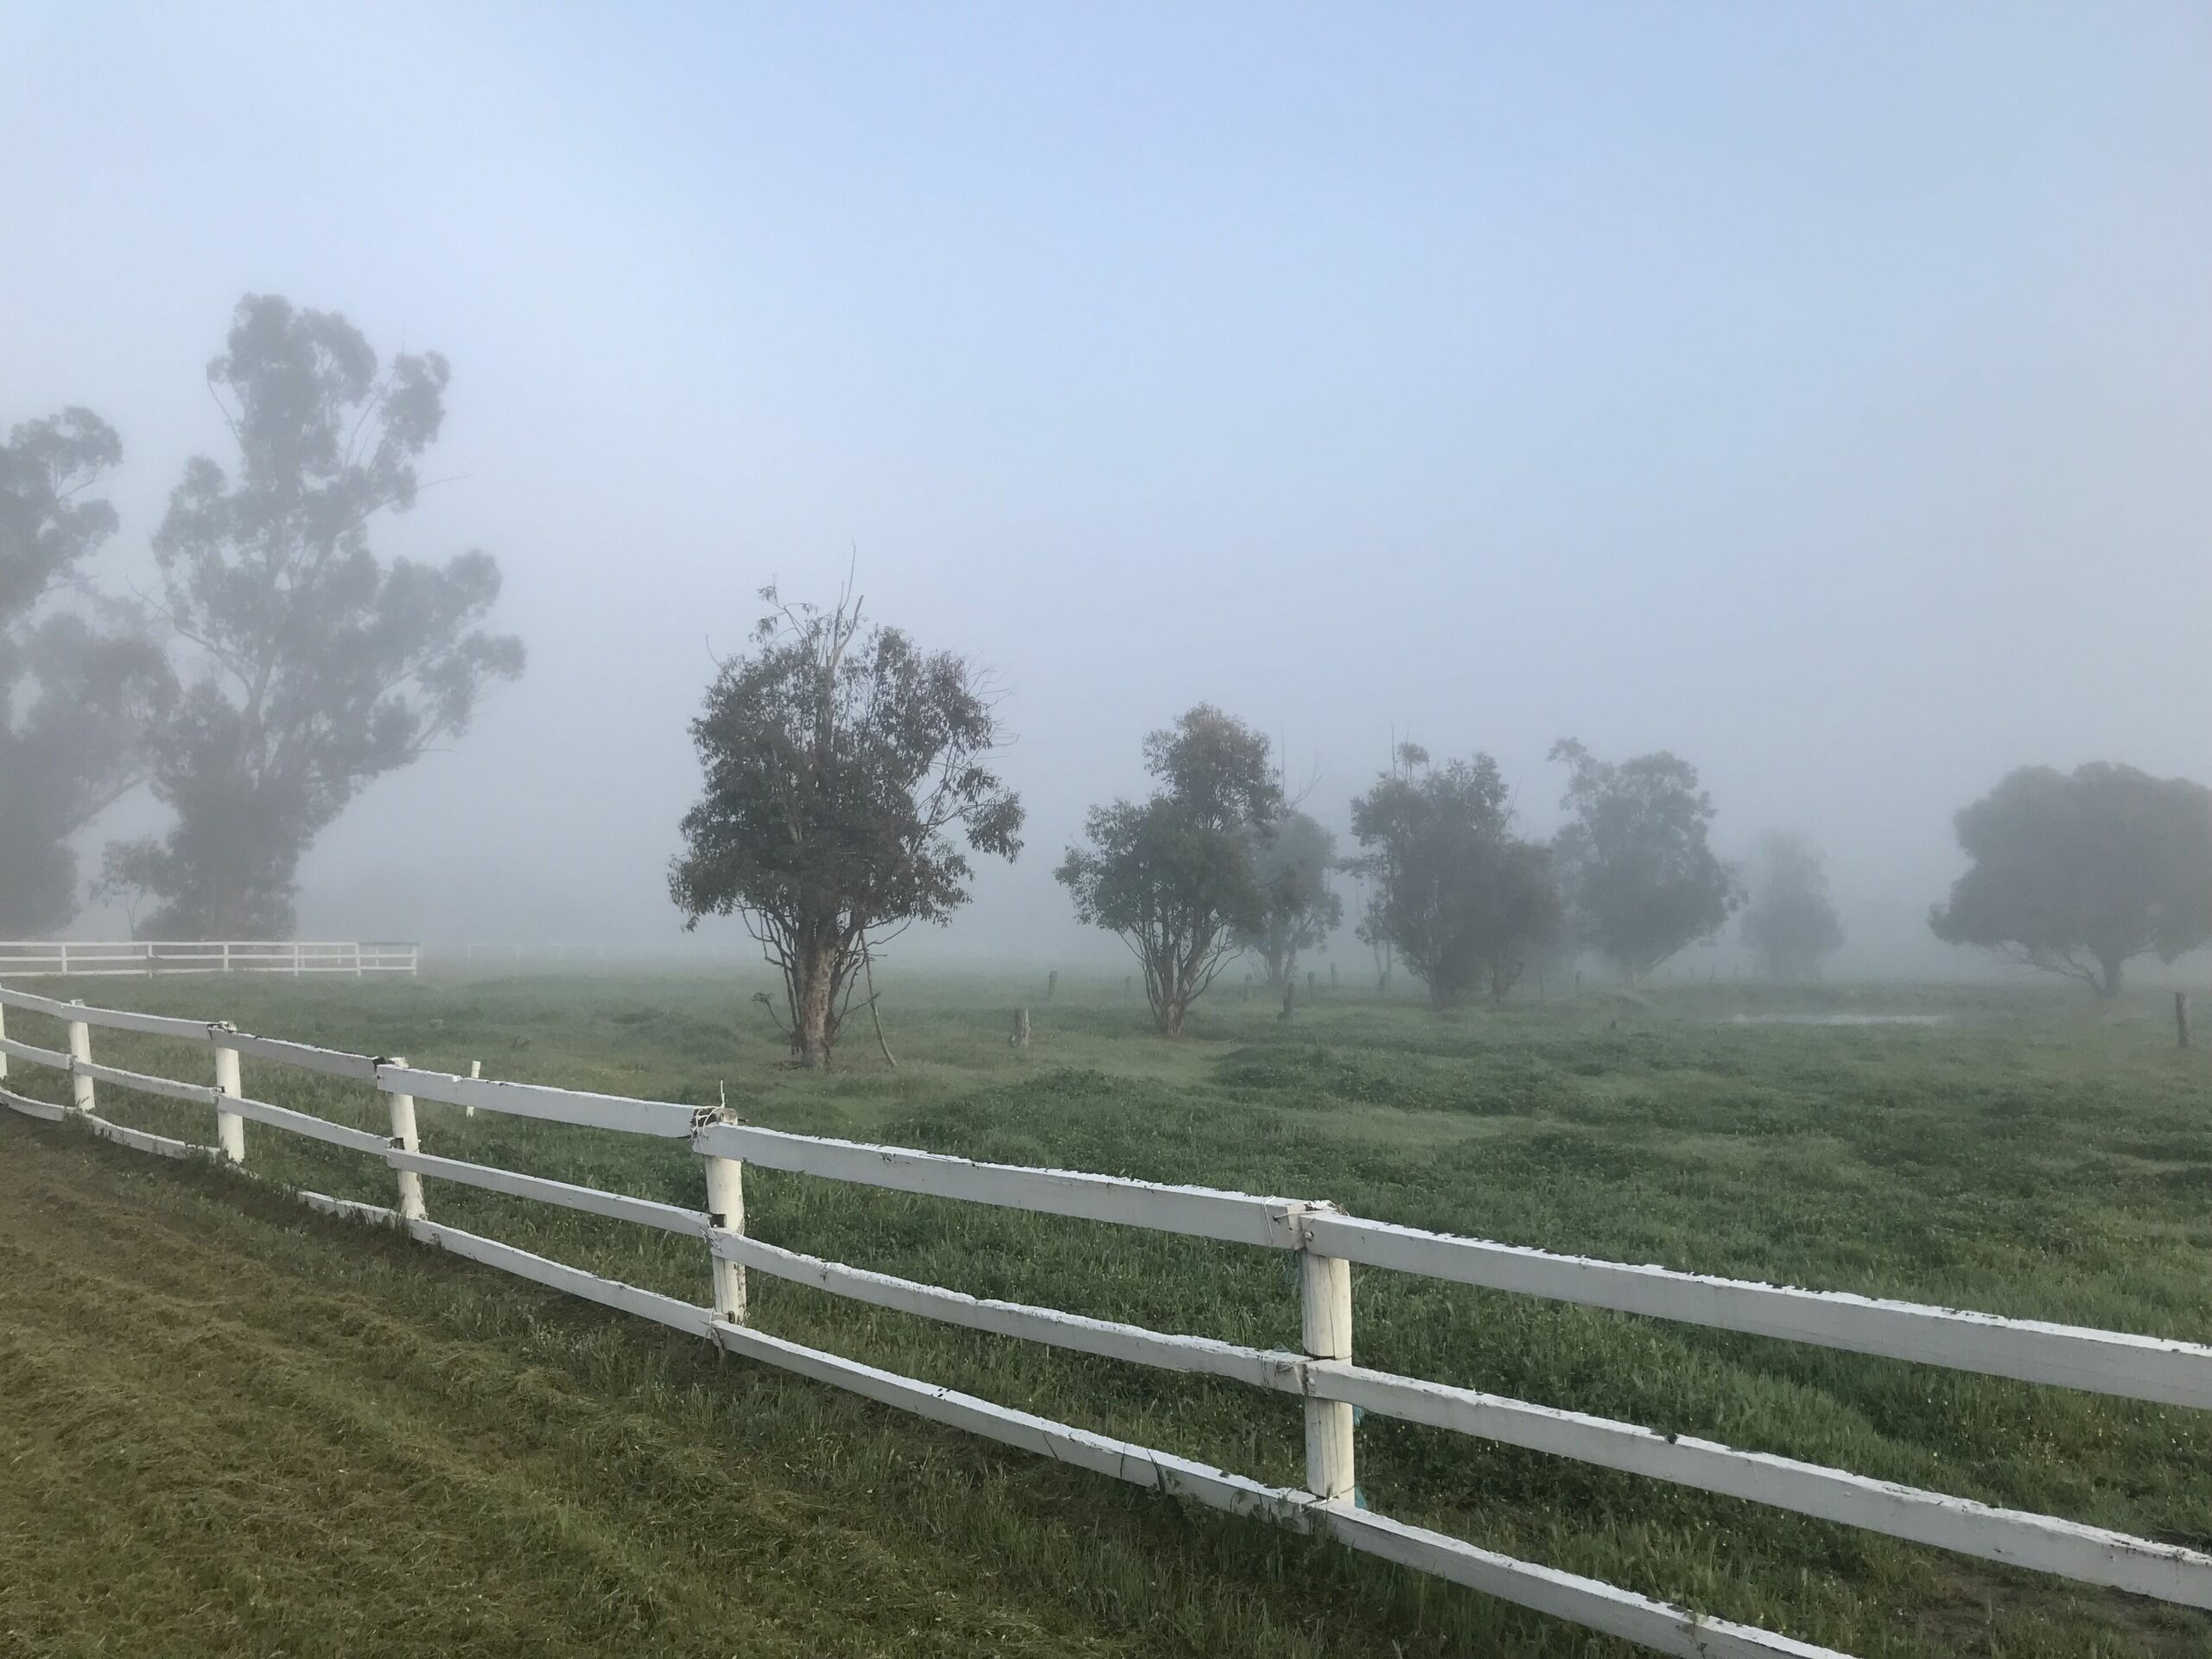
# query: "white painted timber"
199 1094
403 1139
2017 1537
230 1127
1659 1625
151 1024
608 1292
726 1213
29 1107
80 1052
646 1212
1106 1338
351 1209
1325 1320
314 1129
536 1100
161 1145
1655 1624
2101 1362
305 1057
1203 1211
34 1054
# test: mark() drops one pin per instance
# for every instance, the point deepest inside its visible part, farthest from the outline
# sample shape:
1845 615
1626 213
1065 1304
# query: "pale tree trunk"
2114 967
810 1008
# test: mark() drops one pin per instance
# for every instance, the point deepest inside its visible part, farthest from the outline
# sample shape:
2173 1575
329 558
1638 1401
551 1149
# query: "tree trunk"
811 1009
2109 988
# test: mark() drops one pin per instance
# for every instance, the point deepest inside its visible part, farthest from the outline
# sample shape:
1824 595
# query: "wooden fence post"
475 1070
1324 1304
230 1127
4 1052
404 1136
726 1210
80 1048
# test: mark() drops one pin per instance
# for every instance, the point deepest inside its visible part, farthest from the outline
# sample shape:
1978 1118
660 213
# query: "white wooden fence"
151 958
1326 1242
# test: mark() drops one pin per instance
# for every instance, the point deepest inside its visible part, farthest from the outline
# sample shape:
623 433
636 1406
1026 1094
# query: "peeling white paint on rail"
150 1024
646 1212
52 1058
2101 1362
2017 1537
332 1062
45 1111
608 1292
197 1094
305 1124
1202 1211
1263 1368
593 1111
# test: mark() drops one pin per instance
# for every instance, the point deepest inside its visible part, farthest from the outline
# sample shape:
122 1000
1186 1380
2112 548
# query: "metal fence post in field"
1324 1307
404 1136
230 1127
81 1053
726 1211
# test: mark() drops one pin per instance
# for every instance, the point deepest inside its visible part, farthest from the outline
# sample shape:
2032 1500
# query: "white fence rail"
1326 1242
158 958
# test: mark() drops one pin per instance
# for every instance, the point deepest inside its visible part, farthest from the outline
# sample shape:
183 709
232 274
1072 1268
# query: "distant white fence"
1325 1242
155 958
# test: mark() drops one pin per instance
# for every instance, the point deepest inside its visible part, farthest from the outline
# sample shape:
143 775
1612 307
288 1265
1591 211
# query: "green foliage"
1460 896
318 667
80 678
839 765
1639 875
1790 920
2081 873
1293 858
1175 874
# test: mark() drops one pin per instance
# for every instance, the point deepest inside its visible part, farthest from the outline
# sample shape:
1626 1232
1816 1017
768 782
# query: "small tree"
2079 874
1294 857
81 680
1175 876
1790 920
840 761
319 668
1463 899
1640 875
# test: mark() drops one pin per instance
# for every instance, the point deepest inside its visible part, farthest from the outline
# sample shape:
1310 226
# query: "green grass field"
230 1426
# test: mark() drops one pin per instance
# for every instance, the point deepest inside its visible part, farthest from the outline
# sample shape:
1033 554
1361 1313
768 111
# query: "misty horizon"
1825 398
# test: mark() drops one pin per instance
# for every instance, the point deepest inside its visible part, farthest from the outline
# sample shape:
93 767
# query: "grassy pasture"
229 1425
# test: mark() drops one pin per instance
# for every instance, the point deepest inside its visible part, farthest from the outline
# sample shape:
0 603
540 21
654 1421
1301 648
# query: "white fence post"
1324 1304
404 1136
475 1070
230 1127
80 1048
3 1033
726 1210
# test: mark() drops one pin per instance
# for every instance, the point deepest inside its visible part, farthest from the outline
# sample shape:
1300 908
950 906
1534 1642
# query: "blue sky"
1822 392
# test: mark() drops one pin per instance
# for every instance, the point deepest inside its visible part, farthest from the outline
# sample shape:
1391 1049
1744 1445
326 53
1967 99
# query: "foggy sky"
1824 393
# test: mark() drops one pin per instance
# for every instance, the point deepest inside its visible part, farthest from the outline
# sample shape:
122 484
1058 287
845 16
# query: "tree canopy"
1461 897
841 763
2079 873
317 667
1641 877
80 678
1175 874
1295 859
1791 921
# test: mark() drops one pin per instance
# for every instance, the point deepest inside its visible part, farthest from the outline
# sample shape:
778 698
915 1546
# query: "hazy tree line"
847 779
280 666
